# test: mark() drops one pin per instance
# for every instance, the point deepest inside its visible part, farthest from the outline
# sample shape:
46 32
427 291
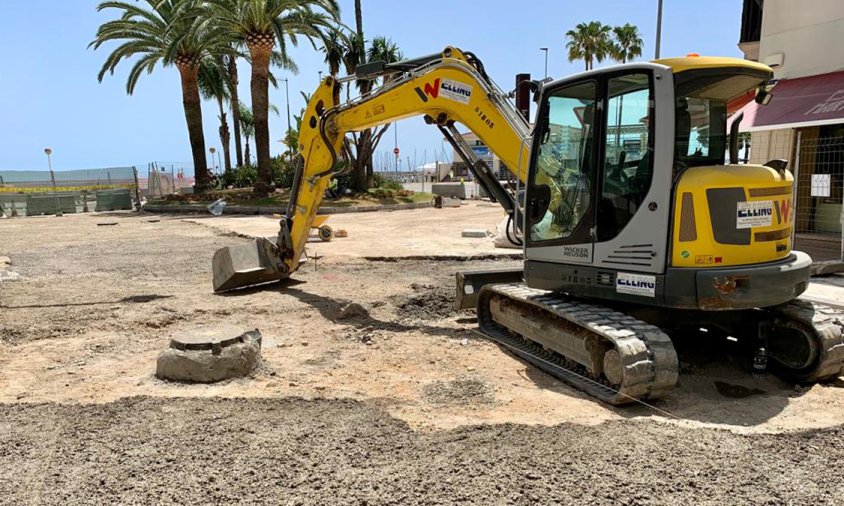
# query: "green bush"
382 193
283 172
387 184
241 177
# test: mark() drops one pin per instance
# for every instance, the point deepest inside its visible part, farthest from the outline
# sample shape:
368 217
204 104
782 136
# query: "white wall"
809 34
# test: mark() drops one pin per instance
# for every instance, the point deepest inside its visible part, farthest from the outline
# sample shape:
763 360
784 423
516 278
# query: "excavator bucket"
250 264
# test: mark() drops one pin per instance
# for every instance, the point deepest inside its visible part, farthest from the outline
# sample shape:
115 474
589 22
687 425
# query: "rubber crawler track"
828 324
649 360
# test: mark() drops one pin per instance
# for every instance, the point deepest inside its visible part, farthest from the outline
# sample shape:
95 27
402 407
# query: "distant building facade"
804 123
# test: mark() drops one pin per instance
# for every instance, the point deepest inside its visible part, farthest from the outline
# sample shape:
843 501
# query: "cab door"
561 208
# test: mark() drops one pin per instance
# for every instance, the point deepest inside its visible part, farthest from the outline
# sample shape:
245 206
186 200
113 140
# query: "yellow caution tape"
49 189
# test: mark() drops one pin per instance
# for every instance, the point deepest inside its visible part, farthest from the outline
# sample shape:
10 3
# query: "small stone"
474 232
464 342
304 343
352 310
292 384
470 369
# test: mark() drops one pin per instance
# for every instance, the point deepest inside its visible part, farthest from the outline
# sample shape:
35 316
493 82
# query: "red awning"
802 102
740 101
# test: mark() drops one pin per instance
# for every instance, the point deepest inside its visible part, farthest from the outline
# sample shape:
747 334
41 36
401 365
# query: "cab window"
628 160
563 162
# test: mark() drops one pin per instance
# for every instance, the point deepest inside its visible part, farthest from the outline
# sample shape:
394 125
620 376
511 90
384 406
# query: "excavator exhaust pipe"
248 265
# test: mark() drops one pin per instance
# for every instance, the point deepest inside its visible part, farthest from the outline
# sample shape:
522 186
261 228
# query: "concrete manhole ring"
210 354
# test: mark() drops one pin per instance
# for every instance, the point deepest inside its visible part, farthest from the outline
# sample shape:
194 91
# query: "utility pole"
287 97
658 27
49 152
396 143
546 58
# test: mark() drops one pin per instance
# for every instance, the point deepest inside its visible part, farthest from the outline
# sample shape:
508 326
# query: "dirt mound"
292 451
427 302
460 391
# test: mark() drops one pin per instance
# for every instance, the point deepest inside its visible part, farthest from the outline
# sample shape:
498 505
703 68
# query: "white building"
803 41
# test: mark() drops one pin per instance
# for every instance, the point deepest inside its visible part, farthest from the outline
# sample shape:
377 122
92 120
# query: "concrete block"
114 200
474 232
38 204
454 190
826 267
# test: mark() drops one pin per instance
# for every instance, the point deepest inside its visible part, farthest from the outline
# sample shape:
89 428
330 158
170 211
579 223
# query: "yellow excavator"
634 226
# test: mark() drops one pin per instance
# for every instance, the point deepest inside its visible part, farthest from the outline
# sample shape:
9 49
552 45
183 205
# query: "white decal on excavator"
456 91
636 284
754 214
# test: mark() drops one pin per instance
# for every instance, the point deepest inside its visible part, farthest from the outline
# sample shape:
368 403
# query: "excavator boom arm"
446 90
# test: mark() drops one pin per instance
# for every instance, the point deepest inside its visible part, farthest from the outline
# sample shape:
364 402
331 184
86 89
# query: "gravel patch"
293 451
461 391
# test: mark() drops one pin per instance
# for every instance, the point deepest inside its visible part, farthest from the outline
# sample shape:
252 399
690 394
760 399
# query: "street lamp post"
49 153
546 59
213 150
658 27
287 96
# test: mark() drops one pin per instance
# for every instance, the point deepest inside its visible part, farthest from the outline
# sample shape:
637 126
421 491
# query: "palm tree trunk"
225 136
360 180
193 115
359 20
260 109
235 102
248 154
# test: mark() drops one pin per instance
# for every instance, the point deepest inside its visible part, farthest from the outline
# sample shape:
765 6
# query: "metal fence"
819 170
30 193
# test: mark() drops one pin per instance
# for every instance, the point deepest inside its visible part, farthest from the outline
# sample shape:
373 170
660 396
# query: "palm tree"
359 22
234 102
627 43
589 42
334 43
214 85
247 127
365 143
260 24
166 32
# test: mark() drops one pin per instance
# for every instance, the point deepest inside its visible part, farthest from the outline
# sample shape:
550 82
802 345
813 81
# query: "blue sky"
49 95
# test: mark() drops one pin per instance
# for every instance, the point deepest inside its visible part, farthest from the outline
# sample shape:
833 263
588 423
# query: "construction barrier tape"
49 189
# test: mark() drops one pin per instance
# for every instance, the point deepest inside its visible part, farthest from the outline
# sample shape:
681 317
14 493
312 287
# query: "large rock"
210 355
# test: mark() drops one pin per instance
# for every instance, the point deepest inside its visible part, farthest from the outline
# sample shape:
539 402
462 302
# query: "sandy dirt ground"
99 296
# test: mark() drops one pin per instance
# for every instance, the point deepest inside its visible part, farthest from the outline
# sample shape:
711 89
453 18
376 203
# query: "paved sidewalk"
827 290
417 233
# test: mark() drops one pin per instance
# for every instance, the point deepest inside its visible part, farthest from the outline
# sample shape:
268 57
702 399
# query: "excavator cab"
629 197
